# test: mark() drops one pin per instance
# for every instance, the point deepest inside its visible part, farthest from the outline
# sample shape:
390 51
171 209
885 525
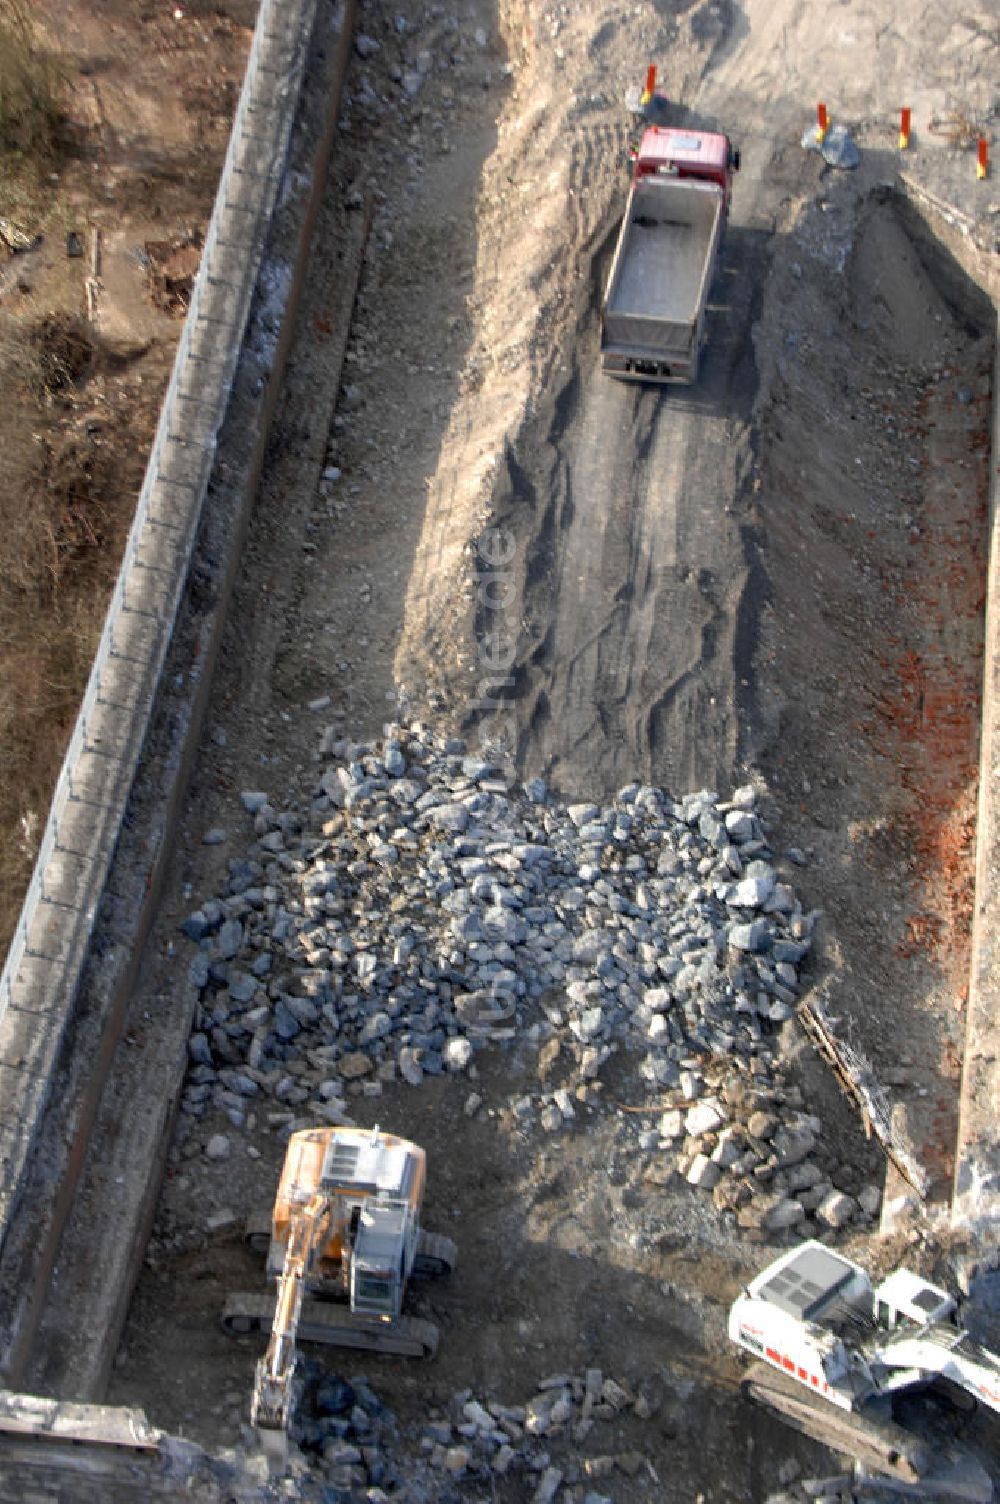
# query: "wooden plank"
857 1081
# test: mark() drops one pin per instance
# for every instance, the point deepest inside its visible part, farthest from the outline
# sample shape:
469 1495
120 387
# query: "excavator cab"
905 1299
382 1249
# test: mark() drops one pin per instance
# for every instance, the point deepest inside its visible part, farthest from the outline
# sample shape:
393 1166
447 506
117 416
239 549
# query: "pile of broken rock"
424 907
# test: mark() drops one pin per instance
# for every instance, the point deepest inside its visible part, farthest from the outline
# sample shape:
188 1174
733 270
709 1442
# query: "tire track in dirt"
623 614
634 566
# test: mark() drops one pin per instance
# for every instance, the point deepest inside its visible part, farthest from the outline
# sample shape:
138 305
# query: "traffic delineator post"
822 122
647 92
983 159
904 127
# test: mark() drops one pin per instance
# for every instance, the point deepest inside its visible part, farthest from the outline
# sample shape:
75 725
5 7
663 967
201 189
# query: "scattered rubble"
423 906
563 1443
838 1488
836 146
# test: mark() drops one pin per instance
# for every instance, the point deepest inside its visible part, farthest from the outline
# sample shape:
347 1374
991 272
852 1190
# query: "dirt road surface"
773 577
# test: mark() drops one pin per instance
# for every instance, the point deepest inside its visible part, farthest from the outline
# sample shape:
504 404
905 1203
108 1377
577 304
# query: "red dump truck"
653 312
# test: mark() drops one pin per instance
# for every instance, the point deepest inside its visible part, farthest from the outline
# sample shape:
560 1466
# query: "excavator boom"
275 1371
946 1353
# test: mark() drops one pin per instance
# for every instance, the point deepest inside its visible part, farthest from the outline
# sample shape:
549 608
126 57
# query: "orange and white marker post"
822 122
983 160
904 127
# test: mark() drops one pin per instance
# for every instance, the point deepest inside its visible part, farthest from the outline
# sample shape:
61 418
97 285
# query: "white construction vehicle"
833 1353
346 1228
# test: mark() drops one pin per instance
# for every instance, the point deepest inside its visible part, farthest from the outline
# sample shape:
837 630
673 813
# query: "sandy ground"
773 576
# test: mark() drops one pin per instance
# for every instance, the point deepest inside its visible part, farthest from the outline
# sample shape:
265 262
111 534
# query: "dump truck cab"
705 156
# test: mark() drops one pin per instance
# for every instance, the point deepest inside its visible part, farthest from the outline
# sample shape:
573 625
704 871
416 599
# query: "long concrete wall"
976 1197
105 847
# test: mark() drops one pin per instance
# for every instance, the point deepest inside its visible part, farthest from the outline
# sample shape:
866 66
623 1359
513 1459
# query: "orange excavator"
344 1241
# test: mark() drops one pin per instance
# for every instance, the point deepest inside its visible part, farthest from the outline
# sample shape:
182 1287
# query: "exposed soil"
872 490
775 576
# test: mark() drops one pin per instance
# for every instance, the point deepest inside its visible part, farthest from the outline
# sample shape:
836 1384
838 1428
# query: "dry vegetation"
31 85
68 478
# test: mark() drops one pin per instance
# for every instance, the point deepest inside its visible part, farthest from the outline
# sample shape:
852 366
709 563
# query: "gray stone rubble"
423 908
854 1487
565 1443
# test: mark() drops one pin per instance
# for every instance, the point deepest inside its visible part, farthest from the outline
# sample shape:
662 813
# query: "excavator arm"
273 1384
948 1352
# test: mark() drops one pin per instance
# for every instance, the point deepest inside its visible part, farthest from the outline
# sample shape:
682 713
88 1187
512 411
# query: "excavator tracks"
875 1443
887 1449
435 1256
335 1326
257 1231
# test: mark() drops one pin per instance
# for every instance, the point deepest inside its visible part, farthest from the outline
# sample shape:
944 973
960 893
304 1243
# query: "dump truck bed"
660 277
